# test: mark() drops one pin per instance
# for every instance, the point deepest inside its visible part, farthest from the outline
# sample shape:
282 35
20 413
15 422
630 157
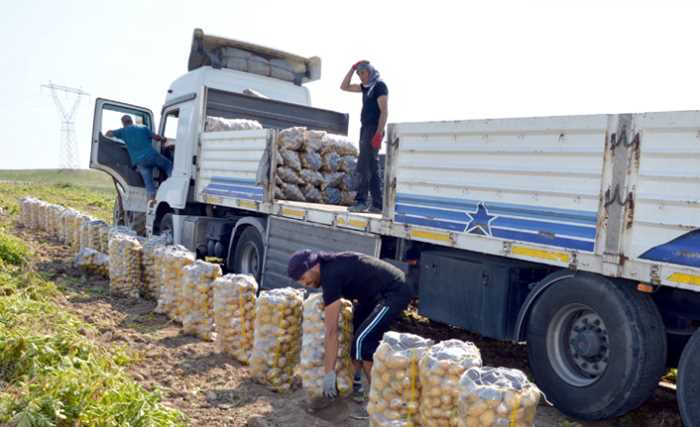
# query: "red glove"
355 65
377 140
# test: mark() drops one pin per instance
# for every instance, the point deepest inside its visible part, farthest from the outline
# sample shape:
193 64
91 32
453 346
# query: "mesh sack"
311 160
347 198
78 229
124 265
197 312
282 69
55 212
291 138
37 214
495 397
313 343
440 370
234 314
347 164
25 213
277 341
330 162
332 179
394 394
289 175
290 159
311 193
311 177
85 232
151 272
93 261
93 238
313 140
339 144
104 238
219 124
332 196
292 192
172 268
347 182
70 217
278 193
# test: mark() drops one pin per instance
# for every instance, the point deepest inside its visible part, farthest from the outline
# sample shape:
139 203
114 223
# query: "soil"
214 390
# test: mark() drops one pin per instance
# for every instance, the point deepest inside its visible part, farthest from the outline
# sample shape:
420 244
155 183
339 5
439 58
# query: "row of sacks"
416 382
315 166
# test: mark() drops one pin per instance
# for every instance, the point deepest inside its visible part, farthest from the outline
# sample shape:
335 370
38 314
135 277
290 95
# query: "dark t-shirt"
360 277
370 108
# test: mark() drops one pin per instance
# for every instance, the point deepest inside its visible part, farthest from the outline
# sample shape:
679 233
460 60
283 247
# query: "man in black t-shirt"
375 112
378 288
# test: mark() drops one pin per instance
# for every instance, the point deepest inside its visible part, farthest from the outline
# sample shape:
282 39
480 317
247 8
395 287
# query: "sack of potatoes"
197 311
235 296
394 395
277 341
173 260
491 397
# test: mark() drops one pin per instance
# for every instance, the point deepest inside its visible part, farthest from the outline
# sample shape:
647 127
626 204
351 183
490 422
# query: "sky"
442 60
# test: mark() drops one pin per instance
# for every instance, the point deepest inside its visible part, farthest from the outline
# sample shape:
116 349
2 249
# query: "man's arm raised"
346 85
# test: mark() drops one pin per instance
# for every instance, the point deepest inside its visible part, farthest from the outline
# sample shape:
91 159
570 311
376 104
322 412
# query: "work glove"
377 140
330 391
355 65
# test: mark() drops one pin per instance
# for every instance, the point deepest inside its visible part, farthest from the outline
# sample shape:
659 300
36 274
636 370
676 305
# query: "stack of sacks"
93 261
440 370
197 313
312 347
125 254
173 260
219 124
151 266
395 390
315 166
492 397
234 314
277 342
243 60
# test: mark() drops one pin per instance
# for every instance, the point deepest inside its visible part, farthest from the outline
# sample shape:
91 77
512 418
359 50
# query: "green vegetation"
88 191
52 371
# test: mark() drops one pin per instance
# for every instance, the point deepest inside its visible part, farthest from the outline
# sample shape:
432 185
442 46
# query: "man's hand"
109 134
357 64
377 140
330 390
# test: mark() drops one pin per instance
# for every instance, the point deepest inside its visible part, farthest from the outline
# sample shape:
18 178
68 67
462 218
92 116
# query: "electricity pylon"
69 149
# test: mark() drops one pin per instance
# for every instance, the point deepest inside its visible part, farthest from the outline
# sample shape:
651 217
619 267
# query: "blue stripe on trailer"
218 186
232 180
683 250
232 193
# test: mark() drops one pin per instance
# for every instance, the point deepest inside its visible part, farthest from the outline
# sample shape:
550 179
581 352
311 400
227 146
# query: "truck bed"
611 194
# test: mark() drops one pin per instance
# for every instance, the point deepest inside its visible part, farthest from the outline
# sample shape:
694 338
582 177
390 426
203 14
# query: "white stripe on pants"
370 326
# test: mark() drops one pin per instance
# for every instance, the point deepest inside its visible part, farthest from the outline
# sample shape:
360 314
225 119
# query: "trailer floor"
214 390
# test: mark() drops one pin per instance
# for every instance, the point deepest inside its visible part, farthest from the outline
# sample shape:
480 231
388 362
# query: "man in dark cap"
375 112
141 152
378 289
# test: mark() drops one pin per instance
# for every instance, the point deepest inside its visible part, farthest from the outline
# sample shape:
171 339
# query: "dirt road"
214 390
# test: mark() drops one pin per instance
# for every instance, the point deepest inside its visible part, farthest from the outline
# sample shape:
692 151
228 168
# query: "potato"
197 312
124 265
173 260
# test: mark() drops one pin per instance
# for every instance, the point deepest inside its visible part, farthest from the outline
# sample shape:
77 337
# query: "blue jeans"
145 168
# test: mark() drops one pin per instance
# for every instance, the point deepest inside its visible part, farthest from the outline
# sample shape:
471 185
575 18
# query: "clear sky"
442 60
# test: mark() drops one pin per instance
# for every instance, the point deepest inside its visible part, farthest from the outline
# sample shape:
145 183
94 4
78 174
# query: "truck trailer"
576 234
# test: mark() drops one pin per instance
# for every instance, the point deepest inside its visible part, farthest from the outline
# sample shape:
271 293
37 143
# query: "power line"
69 148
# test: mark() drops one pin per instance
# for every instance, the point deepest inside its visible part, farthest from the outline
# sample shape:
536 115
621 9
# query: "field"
69 350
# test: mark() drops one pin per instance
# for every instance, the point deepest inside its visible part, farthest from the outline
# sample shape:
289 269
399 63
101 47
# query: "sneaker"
360 414
358 392
358 207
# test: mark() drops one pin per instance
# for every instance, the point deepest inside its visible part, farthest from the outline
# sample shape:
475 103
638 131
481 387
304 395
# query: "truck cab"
210 87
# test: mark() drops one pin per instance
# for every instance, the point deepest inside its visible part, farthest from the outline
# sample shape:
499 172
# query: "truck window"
170 129
112 119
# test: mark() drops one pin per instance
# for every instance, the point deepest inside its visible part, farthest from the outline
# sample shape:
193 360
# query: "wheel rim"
250 260
578 345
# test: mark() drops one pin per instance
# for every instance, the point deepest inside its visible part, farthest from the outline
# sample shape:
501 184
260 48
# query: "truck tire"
166 224
688 390
249 253
597 349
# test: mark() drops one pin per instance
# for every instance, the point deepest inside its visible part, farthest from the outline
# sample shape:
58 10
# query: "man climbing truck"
576 234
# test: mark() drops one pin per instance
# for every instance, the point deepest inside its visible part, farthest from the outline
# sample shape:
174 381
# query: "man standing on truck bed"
375 112
378 288
141 152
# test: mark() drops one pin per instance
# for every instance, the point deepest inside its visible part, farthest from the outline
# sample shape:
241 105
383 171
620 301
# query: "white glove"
330 390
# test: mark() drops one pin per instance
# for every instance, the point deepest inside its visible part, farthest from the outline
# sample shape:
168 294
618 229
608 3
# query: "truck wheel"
249 252
597 349
689 382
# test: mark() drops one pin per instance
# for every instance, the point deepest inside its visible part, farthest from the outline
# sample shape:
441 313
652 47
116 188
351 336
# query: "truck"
575 234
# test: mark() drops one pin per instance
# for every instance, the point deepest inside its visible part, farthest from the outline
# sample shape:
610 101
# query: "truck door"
109 154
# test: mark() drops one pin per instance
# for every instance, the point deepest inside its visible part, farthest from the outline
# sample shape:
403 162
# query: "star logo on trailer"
480 221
